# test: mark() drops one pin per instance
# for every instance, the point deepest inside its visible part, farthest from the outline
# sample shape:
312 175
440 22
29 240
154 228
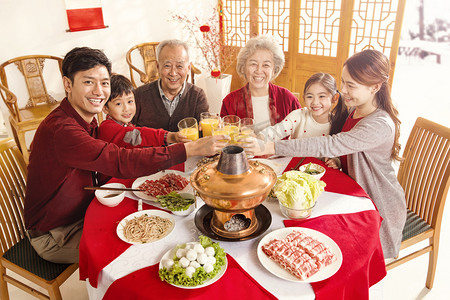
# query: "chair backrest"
150 70
13 175
148 67
424 173
32 69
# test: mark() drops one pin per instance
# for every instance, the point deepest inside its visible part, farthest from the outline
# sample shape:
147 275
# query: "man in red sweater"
66 156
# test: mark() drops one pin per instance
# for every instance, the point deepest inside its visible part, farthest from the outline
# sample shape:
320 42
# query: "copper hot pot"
233 186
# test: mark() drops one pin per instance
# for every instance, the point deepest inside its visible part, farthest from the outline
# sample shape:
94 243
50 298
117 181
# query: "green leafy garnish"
174 201
311 171
177 275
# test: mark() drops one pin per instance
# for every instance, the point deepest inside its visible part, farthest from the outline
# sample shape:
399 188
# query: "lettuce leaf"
298 190
177 274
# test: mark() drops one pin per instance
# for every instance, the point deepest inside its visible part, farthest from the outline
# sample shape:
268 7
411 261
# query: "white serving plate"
278 271
169 254
149 212
157 176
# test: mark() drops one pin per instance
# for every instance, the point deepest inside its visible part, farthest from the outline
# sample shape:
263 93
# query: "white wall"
39 27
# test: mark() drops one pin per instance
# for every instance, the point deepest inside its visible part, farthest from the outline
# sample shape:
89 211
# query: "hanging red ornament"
204 28
215 73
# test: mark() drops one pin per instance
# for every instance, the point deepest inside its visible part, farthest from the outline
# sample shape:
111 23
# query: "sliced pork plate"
299 254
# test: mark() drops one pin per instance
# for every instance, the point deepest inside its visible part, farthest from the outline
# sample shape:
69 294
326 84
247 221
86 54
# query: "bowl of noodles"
145 226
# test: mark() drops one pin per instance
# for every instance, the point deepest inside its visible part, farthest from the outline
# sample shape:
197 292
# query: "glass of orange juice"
247 126
220 130
246 129
231 124
189 128
208 121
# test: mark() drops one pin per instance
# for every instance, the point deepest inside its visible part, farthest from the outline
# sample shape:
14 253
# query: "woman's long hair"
371 67
339 113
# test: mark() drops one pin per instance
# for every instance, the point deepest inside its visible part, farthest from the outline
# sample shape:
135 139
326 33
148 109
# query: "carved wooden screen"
316 35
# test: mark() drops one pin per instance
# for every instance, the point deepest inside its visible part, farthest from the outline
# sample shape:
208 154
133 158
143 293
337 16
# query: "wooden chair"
40 103
424 175
149 72
17 254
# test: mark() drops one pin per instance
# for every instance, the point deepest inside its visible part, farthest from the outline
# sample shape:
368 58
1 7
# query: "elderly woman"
260 62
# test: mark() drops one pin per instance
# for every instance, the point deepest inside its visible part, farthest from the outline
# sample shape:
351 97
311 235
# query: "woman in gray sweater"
367 144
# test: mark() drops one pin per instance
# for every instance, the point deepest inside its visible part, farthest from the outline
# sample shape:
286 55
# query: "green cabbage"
298 190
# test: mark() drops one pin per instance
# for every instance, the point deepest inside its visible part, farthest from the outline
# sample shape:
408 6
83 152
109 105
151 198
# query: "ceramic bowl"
110 198
189 210
296 214
315 170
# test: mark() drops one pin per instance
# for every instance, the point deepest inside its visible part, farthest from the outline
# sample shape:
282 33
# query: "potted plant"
207 37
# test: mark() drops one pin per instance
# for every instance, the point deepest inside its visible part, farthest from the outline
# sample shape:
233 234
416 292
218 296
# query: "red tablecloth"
357 273
100 245
357 235
341 183
235 283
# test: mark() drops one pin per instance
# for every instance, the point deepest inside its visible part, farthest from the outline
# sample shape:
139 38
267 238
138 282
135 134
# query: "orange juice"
207 126
233 131
221 131
190 133
246 131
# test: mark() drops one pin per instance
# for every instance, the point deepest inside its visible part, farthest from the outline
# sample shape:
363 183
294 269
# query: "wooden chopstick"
111 188
298 164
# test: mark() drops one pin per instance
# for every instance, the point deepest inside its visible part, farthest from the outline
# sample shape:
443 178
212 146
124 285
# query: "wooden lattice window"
319 27
316 35
373 25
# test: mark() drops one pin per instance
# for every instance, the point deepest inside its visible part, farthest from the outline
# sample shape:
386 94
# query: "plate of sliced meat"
299 254
161 183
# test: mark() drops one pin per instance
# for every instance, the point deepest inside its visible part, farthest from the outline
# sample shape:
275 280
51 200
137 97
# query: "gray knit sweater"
368 146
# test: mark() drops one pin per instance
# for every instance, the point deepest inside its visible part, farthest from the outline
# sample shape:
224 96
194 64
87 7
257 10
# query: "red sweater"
113 132
239 103
65 156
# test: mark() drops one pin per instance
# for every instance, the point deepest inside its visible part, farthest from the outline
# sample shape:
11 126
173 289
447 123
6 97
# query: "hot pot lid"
257 180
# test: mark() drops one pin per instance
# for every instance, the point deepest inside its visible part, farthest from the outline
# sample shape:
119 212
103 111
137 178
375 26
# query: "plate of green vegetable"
193 265
180 204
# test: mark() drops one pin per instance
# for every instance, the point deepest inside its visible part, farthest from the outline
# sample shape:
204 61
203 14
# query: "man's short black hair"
82 59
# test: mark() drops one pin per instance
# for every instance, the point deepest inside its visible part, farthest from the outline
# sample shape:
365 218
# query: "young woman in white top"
324 114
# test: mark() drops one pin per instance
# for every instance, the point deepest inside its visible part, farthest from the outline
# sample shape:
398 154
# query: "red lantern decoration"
204 28
215 73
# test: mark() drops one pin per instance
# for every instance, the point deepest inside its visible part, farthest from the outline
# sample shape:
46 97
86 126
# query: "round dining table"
114 269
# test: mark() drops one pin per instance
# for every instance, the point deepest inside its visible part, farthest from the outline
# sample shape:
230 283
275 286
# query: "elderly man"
164 102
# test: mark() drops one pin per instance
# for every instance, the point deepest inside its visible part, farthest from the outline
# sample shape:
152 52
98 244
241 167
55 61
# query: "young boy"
120 110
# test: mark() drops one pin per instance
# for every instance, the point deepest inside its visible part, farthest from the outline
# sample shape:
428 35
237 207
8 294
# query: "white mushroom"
210 251
199 248
184 262
194 264
190 271
211 260
168 263
181 253
191 255
202 258
208 268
